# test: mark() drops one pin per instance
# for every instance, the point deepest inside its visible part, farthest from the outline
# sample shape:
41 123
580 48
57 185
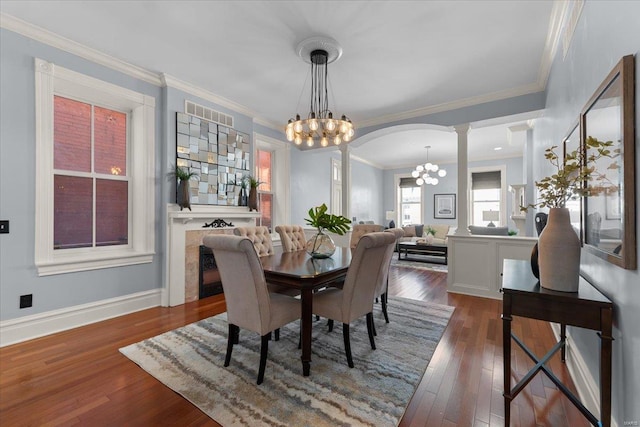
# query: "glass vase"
321 246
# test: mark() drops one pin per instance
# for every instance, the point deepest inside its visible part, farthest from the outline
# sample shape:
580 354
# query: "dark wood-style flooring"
78 377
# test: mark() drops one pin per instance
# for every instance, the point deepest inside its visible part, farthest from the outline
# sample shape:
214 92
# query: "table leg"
306 300
506 355
605 367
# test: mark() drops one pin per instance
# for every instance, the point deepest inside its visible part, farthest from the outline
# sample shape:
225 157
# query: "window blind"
408 183
485 180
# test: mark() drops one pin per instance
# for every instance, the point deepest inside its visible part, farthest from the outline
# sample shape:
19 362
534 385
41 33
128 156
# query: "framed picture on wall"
444 206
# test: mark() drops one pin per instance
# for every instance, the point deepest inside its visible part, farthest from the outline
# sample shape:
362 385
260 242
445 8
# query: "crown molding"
176 83
447 106
366 162
554 35
47 37
31 31
269 124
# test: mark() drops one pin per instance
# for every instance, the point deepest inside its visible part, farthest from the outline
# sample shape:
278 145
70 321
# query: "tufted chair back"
360 230
259 236
292 237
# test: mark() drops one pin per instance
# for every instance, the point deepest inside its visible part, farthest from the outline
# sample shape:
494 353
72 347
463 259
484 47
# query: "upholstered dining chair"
261 239
360 230
250 305
291 237
355 298
383 284
259 236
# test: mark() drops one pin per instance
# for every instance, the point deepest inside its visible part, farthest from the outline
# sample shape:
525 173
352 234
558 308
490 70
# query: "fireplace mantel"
181 221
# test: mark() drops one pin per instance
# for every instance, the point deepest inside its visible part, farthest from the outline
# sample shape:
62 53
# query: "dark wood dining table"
300 271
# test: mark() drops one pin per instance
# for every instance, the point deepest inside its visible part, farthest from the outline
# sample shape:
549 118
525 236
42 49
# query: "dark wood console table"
587 308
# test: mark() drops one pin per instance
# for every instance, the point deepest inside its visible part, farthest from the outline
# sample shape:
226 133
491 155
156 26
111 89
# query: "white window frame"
396 181
336 187
53 80
503 190
280 173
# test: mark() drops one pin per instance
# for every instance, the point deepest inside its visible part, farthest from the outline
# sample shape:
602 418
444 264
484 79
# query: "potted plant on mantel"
253 191
183 176
558 248
321 245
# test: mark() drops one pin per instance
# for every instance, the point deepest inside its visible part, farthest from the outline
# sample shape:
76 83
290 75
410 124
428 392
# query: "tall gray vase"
253 199
559 253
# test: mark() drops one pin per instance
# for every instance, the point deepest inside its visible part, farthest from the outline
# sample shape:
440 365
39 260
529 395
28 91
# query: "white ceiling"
400 58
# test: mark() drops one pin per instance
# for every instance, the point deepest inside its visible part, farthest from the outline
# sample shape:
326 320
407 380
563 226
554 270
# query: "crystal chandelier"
320 126
422 172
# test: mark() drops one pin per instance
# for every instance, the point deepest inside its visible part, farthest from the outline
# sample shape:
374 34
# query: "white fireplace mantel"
181 221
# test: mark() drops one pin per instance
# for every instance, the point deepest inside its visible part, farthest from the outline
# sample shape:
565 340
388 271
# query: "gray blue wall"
606 32
18 274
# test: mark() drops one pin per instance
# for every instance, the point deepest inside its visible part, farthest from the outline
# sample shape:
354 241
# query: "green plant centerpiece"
321 245
555 259
182 194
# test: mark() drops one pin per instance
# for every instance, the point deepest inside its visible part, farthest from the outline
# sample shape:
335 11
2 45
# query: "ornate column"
463 191
346 180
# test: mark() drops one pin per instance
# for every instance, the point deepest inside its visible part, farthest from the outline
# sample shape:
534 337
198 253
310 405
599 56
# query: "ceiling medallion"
320 127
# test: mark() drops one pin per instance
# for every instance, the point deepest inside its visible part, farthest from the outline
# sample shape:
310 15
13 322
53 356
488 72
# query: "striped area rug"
189 360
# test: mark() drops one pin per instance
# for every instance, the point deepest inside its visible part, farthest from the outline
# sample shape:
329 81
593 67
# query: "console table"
587 308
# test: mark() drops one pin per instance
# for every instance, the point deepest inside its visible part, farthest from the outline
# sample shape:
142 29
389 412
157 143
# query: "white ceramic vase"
559 253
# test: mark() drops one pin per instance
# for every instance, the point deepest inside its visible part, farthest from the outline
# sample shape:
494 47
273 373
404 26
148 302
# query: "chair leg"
236 335
330 324
277 334
371 328
232 336
264 349
375 333
383 298
347 344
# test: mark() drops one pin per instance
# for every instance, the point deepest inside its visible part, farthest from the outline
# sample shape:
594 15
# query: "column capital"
345 148
462 128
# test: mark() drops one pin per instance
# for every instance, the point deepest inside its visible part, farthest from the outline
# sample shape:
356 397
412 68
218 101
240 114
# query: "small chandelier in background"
422 172
320 126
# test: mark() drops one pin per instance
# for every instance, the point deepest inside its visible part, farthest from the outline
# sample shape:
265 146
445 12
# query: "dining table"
298 270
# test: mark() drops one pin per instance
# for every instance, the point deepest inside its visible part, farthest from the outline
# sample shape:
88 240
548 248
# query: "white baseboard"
29 327
588 390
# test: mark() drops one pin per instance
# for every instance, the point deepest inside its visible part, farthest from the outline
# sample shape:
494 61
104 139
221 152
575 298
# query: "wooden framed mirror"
609 213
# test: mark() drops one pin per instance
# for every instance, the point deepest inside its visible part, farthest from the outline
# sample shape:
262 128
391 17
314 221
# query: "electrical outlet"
4 226
26 301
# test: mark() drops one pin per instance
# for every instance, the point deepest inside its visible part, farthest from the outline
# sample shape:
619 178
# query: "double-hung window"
94 173
272 169
409 201
487 197
264 167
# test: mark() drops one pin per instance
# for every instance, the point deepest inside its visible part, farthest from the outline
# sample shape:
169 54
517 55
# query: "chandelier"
320 126
422 172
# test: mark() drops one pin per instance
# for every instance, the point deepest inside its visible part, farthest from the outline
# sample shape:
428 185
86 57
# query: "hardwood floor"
78 377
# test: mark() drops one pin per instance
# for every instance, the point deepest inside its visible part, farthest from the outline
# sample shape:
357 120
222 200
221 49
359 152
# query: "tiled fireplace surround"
185 231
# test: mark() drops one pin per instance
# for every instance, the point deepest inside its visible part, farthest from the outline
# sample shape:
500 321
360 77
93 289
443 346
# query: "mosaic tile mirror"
219 155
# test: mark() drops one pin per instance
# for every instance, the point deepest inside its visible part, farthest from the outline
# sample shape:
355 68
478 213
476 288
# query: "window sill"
87 263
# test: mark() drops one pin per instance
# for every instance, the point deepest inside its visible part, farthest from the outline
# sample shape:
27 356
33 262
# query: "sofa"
419 231
489 231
